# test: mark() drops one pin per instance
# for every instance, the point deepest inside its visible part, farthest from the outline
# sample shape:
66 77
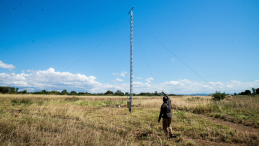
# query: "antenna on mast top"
131 9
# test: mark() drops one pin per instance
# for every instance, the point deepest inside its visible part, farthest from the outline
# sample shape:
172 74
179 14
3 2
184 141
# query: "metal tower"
131 57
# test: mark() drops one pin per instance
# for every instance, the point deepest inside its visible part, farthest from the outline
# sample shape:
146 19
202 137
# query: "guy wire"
145 57
176 56
95 47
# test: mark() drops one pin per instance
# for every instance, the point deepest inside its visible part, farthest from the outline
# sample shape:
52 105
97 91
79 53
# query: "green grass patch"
22 101
72 99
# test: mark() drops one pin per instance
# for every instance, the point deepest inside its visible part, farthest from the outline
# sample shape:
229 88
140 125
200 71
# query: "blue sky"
40 40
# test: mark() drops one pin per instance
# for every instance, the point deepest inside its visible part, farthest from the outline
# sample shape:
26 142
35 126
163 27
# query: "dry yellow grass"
84 120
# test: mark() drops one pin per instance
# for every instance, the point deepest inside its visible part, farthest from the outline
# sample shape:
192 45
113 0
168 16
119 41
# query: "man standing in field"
166 114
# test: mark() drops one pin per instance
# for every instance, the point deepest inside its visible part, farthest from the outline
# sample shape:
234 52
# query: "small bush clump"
194 98
218 96
72 99
19 102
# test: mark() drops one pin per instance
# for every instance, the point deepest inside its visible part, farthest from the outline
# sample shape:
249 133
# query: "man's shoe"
172 136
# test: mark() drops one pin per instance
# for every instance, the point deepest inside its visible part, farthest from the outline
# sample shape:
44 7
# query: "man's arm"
168 98
165 95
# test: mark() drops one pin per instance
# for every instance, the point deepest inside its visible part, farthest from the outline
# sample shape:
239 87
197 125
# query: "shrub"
218 96
19 102
73 93
109 92
72 99
247 92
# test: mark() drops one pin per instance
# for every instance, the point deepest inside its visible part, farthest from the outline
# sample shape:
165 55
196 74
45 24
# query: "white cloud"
49 79
53 80
114 73
173 83
149 80
139 78
257 81
172 59
123 73
137 83
7 66
120 80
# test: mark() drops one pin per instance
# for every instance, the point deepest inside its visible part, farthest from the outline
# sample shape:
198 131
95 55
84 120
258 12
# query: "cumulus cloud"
120 80
139 78
149 80
173 83
7 66
187 86
121 74
53 80
257 81
49 79
117 80
114 73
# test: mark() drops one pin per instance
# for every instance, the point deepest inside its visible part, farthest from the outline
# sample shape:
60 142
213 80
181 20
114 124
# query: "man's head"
164 98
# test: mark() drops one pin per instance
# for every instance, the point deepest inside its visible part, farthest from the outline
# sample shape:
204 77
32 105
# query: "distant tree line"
249 92
12 90
119 93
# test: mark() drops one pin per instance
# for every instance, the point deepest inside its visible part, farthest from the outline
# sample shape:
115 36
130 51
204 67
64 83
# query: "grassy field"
93 120
238 109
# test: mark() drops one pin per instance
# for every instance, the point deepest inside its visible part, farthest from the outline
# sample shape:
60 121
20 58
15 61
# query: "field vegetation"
96 120
240 109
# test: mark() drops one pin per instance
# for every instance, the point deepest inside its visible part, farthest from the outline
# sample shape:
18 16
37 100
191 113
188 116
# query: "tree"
44 91
253 91
81 93
109 92
127 93
142 93
3 90
155 93
235 94
55 92
73 93
7 90
64 92
118 92
17 89
218 96
12 90
257 91
173 95
24 91
247 92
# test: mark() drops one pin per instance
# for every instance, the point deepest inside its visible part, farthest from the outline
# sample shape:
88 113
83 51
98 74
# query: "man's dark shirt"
165 111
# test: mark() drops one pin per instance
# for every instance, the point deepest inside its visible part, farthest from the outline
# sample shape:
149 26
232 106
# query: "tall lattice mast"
131 58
